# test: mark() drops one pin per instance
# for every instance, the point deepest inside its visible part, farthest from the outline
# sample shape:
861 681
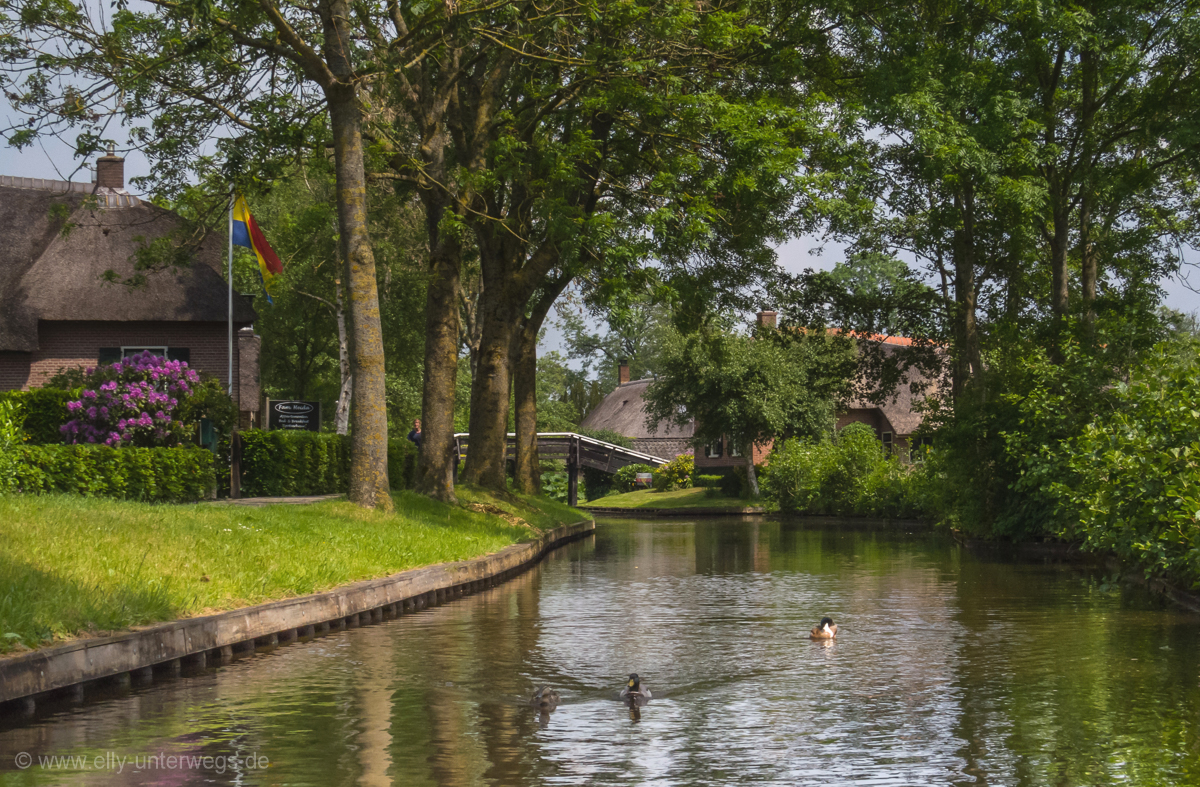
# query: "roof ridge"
108 197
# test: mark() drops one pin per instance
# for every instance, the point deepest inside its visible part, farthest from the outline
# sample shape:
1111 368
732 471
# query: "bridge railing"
578 451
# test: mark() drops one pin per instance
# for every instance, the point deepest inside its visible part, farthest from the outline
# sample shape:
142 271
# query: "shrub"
282 463
676 474
850 475
131 402
285 463
1133 484
710 481
402 463
165 475
44 411
11 437
623 479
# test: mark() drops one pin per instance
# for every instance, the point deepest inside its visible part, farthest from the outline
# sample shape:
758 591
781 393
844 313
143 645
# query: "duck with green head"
634 692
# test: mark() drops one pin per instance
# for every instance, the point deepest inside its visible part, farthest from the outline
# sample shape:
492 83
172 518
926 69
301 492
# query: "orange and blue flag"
246 233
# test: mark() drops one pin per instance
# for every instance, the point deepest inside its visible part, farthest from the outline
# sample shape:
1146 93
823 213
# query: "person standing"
415 435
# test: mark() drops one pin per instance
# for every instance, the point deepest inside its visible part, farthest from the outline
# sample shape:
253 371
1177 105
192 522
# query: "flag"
246 233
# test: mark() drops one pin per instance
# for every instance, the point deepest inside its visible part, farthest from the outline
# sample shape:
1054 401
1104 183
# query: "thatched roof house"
624 412
58 238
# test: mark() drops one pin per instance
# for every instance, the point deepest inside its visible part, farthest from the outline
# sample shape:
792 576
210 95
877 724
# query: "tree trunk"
368 441
488 445
751 475
341 416
966 358
435 473
527 475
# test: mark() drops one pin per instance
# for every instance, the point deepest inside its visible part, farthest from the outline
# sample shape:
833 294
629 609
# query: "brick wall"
725 461
69 344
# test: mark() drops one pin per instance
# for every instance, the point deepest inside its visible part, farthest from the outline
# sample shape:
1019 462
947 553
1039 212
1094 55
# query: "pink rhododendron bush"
134 402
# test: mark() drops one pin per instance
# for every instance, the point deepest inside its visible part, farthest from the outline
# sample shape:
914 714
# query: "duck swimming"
634 692
826 629
544 698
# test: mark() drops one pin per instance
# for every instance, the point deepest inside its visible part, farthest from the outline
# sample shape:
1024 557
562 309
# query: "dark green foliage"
402 463
849 476
709 481
156 475
1130 482
623 478
282 463
734 483
210 400
44 410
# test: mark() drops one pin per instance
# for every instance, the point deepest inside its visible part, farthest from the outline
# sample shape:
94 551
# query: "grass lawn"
73 566
678 498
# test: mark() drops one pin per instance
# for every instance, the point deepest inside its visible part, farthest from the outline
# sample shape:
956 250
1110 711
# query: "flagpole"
231 197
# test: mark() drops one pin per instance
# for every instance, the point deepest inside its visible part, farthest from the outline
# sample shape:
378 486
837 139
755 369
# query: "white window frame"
133 349
733 450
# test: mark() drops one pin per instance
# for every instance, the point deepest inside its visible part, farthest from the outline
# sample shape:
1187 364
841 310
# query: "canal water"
949 668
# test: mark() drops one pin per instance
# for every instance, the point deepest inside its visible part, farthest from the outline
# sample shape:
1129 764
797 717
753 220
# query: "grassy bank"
677 498
72 566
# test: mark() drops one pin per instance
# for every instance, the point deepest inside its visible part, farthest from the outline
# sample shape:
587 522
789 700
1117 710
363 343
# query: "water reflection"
947 669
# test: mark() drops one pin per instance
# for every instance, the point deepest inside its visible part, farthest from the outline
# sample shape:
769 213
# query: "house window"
129 352
887 441
114 354
733 450
713 450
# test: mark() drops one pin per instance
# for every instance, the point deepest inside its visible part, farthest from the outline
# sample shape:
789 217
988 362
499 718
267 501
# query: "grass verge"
676 498
73 566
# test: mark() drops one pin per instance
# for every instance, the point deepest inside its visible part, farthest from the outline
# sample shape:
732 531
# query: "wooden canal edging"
69 671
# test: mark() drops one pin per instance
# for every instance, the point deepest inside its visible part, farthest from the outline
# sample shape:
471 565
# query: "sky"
54 161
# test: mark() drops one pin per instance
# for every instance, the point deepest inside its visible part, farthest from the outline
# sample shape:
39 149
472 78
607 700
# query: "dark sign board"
294 415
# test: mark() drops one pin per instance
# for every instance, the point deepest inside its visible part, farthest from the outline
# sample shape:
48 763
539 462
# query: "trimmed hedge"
284 463
153 475
44 410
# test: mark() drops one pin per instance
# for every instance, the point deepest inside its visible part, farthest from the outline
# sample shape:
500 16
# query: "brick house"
58 238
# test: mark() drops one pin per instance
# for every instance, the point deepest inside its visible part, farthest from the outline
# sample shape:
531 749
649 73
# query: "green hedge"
282 463
44 410
160 475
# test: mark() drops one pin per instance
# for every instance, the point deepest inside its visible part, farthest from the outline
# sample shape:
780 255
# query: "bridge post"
573 472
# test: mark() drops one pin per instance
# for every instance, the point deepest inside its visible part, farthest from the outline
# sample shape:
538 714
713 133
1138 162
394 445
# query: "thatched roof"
898 407
48 275
624 412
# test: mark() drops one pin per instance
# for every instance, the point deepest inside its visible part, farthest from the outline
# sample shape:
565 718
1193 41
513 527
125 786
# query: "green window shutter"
109 355
179 354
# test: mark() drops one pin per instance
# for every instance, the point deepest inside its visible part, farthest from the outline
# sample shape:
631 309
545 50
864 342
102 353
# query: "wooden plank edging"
82 661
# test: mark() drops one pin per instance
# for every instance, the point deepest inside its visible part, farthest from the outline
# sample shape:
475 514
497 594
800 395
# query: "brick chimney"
622 371
110 171
766 319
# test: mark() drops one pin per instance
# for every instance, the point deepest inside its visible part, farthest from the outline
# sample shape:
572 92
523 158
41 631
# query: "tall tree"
262 73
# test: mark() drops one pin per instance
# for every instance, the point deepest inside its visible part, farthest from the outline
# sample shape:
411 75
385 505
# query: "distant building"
624 412
57 313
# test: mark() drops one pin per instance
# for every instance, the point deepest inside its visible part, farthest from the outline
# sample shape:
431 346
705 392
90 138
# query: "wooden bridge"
577 451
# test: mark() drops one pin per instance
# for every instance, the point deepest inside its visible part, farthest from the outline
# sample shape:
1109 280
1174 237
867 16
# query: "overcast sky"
54 161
